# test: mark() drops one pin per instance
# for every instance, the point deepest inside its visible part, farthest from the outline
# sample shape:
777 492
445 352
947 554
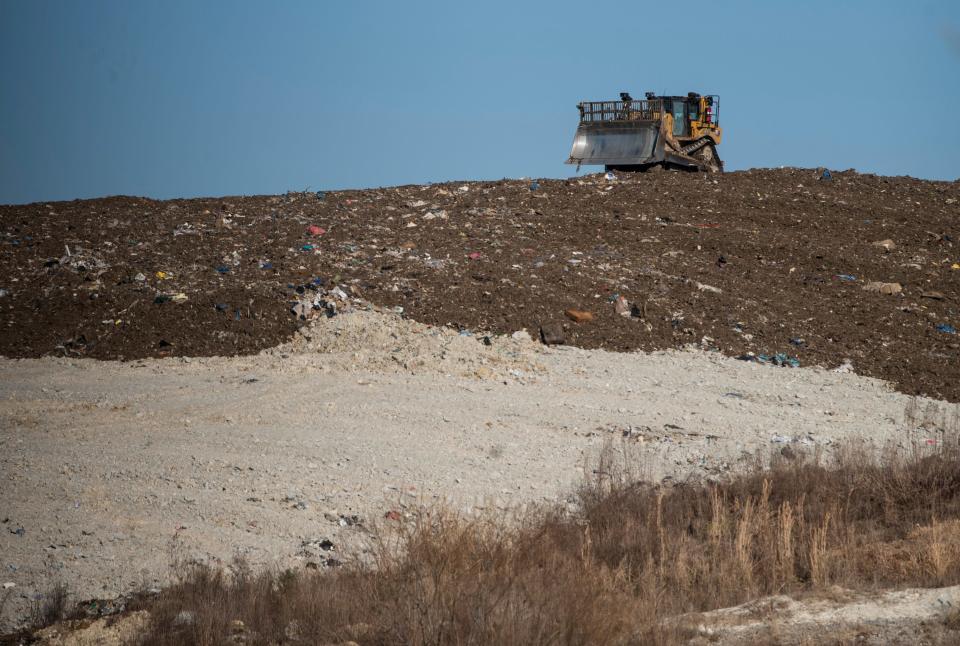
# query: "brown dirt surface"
750 261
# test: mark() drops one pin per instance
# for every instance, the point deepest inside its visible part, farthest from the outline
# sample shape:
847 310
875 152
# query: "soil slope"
763 261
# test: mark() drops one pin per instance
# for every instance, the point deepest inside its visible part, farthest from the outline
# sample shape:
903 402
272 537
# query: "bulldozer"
674 132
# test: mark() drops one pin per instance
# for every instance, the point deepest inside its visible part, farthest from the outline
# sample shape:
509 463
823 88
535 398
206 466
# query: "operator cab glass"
680 123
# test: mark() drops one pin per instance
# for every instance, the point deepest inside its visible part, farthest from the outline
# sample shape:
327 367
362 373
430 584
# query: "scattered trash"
937 296
946 328
139 277
955 265
534 185
323 302
825 175
393 515
179 298
162 275
321 195
266 265
779 359
307 247
476 255
521 335
221 307
798 342
578 316
314 230
314 546
709 288
18 531
82 261
845 367
610 176
622 306
883 288
552 334
846 277
9 584
223 269
4 292
887 245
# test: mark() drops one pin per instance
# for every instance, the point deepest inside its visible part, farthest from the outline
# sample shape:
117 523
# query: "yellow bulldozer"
680 132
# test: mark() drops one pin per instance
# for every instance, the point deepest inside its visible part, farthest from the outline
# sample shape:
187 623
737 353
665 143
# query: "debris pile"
859 267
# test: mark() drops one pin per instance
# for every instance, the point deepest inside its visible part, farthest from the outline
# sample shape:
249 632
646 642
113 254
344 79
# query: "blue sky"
180 99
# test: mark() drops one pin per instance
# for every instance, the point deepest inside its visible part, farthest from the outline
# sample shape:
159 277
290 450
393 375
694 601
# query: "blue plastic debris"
826 175
779 359
321 195
534 185
847 277
307 247
266 265
221 307
223 269
947 328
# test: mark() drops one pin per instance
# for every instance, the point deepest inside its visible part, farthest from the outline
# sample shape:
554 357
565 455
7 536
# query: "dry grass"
50 607
609 574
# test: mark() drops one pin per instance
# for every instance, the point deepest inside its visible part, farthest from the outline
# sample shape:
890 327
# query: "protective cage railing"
591 111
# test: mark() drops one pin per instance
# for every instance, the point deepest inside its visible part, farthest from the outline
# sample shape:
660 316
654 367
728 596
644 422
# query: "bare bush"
632 555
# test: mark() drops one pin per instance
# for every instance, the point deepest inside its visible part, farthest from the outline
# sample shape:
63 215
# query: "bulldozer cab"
681 117
673 131
686 112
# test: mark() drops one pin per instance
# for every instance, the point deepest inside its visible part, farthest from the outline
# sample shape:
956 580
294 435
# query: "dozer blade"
617 143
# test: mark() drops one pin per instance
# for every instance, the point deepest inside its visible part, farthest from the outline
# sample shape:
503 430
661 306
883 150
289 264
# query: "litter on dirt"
644 241
578 316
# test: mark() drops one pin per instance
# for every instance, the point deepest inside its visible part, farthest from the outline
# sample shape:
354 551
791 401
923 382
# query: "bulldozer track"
695 146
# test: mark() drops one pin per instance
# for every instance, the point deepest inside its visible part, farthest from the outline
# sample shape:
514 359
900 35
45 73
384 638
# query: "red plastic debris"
314 230
476 255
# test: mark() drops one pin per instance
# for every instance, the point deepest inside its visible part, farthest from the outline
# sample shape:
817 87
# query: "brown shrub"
610 573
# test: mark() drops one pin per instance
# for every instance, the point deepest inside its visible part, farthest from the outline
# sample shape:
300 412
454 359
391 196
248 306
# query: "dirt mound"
774 262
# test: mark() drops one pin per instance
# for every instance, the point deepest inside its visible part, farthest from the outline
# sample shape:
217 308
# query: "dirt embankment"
763 261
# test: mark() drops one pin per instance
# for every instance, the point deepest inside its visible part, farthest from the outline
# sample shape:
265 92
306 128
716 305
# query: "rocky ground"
244 421
904 617
763 261
113 471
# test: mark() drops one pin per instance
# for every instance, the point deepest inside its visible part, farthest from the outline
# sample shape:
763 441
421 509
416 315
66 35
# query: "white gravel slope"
113 468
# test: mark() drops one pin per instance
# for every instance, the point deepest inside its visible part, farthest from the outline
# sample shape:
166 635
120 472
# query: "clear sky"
223 97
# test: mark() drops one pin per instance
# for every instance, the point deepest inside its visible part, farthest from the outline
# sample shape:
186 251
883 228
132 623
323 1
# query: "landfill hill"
782 263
